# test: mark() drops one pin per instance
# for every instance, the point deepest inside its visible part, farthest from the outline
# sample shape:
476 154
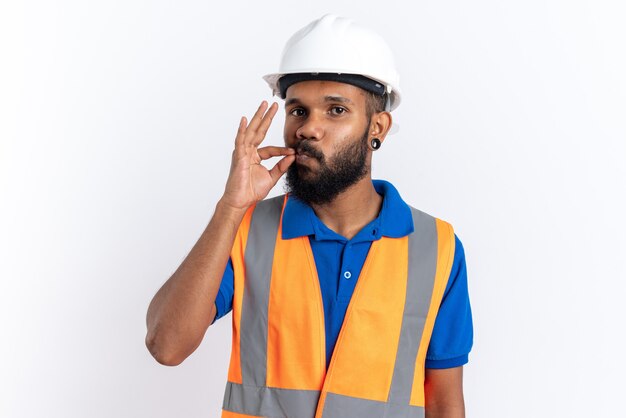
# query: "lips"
309 151
303 157
304 154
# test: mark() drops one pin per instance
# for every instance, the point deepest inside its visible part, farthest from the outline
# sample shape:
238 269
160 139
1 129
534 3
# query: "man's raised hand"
249 181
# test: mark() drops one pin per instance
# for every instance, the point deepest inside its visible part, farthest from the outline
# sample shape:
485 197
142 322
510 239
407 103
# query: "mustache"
308 149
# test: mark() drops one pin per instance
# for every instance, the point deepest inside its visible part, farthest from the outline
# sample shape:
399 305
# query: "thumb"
281 167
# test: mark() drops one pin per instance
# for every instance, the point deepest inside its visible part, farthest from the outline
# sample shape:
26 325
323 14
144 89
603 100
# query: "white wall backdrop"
116 125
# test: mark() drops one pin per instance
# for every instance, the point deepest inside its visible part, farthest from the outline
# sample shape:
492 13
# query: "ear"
380 125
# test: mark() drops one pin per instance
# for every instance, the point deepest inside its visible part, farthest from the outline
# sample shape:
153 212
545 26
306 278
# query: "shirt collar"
393 221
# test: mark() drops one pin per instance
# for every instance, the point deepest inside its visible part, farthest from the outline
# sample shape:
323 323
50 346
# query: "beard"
345 169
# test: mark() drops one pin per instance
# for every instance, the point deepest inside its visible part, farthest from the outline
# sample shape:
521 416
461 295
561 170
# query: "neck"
352 209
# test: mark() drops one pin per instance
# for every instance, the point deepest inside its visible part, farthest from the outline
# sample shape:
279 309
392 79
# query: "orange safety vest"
278 365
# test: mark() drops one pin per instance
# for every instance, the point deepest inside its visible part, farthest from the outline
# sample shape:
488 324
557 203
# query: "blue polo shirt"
339 262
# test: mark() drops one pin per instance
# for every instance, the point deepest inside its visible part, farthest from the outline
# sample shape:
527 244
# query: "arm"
450 344
184 307
443 389
180 312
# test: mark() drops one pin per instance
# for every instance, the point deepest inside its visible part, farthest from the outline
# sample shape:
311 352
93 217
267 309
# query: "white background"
116 125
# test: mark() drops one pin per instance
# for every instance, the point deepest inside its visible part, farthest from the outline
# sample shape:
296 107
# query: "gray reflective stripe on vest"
421 281
341 406
254 398
259 254
270 402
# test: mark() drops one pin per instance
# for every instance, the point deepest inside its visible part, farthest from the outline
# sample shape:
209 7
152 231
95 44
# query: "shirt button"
347 274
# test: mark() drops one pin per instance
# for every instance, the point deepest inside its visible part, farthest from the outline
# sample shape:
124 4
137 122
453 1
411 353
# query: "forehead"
318 91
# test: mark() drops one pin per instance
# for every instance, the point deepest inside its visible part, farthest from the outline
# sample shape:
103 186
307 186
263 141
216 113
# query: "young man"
346 301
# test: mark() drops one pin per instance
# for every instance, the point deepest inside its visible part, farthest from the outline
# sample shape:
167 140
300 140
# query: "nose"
311 128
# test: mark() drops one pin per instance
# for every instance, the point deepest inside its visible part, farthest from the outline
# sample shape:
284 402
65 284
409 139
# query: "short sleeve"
224 298
453 332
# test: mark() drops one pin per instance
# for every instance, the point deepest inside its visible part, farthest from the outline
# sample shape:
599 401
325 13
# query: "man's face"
326 122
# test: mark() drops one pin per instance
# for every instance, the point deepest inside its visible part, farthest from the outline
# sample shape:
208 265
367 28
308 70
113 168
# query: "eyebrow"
327 99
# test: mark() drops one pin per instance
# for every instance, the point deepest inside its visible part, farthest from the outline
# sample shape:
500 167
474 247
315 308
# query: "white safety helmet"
334 45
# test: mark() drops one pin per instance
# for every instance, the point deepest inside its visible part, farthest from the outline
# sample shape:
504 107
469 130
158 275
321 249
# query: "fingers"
264 124
281 167
254 133
241 131
258 116
271 151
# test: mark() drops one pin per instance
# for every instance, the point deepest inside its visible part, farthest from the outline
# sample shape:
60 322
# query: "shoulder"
425 221
269 208
399 211
424 216
265 208
272 201
264 216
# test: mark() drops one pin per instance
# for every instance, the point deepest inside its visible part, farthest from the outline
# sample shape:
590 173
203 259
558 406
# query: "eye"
297 112
338 110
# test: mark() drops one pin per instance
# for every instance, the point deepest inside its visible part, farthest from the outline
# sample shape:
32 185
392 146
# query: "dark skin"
312 113
329 115
443 390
